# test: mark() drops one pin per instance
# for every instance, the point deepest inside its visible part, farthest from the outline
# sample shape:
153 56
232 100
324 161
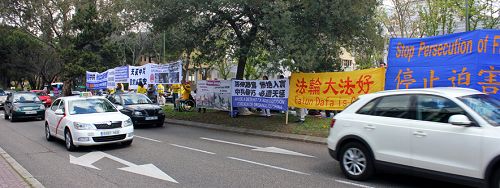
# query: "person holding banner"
141 88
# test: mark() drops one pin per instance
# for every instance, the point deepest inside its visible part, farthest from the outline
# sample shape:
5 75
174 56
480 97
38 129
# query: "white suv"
442 133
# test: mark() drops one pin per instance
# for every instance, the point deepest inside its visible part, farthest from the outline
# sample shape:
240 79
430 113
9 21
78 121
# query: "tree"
401 18
309 32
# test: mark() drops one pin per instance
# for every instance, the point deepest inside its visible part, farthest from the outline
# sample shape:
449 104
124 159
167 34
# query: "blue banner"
469 59
263 94
95 80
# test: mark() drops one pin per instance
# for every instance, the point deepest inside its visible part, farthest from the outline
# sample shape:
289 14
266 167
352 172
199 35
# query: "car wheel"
69 141
127 143
12 118
48 136
495 180
356 162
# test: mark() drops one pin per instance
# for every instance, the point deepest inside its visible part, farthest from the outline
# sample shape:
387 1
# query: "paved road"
193 157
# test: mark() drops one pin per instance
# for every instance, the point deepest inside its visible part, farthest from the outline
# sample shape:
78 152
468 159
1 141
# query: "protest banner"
95 80
468 59
333 90
264 94
213 94
166 73
121 74
111 79
138 74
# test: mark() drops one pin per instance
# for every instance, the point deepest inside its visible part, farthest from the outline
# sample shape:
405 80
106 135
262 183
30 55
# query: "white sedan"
85 121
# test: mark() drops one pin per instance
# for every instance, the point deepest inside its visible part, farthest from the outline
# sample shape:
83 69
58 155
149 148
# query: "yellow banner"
333 90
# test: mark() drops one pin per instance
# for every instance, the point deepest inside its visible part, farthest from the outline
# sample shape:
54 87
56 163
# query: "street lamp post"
467 25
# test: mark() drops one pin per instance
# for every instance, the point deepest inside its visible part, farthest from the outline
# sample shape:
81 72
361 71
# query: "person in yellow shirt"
185 91
141 88
175 94
161 93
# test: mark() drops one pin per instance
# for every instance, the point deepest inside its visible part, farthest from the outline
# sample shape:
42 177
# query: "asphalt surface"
194 157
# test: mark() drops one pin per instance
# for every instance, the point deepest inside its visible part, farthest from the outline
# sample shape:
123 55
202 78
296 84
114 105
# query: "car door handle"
419 134
369 127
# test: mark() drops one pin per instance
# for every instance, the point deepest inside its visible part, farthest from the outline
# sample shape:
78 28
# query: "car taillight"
332 123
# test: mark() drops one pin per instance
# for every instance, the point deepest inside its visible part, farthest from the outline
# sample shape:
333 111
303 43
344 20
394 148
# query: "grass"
313 126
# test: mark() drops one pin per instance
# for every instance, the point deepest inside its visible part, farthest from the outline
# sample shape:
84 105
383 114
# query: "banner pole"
286 117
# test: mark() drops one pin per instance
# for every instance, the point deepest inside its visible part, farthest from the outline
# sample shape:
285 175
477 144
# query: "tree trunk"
242 61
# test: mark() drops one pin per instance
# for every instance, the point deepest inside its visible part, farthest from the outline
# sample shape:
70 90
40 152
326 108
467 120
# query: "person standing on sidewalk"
266 112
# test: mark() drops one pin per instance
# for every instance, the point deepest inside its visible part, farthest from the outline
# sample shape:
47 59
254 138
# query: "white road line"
194 149
354 184
270 166
227 142
150 139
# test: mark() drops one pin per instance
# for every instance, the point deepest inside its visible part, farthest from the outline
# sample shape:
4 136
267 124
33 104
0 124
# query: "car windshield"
90 106
25 98
486 106
135 99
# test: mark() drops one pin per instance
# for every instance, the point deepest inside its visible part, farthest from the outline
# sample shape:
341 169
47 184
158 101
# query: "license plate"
152 118
107 133
30 112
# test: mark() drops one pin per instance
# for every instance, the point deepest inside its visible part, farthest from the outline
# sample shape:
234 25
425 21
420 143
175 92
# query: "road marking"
270 166
194 149
262 149
355 184
150 139
233 143
146 170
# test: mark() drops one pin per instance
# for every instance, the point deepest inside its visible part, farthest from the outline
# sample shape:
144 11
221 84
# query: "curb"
304 138
21 170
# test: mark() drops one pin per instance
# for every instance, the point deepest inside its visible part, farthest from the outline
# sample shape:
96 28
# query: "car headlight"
16 108
83 126
137 113
42 107
127 123
160 111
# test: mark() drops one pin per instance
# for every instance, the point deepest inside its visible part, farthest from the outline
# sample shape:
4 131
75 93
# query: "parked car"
3 98
22 105
442 133
85 121
139 107
43 96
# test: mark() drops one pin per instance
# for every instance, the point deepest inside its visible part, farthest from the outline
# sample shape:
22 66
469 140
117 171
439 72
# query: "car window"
55 104
367 109
394 106
485 105
89 106
61 106
117 99
436 108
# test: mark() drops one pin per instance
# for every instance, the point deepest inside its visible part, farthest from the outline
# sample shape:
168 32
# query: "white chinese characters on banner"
265 94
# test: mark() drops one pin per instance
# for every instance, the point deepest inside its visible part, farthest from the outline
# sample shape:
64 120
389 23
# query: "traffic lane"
323 165
46 161
52 167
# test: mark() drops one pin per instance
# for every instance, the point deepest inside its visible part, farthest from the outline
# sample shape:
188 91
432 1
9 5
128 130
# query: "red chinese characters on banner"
345 86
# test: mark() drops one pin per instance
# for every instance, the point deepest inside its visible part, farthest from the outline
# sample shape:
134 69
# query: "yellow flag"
333 90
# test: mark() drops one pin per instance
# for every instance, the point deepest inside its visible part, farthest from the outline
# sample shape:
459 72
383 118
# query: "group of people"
157 93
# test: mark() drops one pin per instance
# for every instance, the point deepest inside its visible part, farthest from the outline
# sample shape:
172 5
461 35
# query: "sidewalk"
304 138
13 175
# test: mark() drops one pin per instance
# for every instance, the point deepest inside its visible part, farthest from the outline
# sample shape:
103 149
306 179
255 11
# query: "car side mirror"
59 112
460 120
118 107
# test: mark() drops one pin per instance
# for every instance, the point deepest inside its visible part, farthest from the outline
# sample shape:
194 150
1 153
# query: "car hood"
28 104
98 117
142 107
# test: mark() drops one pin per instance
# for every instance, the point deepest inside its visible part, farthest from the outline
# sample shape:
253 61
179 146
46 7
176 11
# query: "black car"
139 108
22 105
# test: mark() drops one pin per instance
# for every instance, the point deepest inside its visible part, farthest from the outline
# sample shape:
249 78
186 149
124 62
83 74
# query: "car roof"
72 98
443 91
